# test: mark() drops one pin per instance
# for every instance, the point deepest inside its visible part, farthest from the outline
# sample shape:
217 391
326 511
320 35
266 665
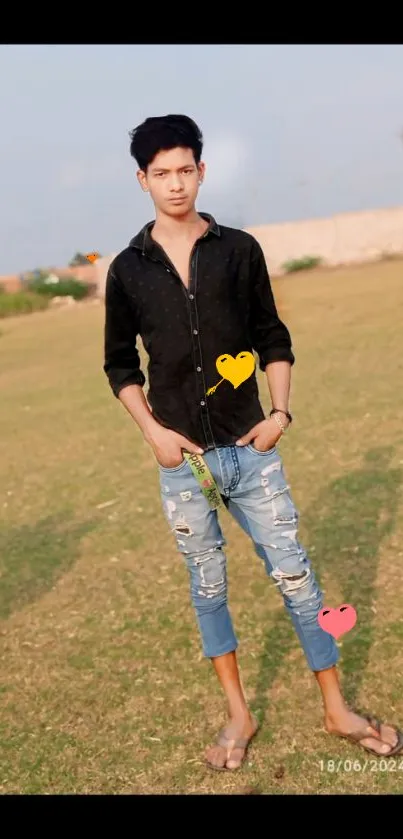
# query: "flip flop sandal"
229 744
362 734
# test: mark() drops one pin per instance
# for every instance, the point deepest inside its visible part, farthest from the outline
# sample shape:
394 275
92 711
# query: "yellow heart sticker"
235 370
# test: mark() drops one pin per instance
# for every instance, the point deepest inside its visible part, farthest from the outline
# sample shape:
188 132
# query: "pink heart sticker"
337 621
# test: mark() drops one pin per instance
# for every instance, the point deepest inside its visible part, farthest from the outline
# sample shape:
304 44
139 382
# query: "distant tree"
78 259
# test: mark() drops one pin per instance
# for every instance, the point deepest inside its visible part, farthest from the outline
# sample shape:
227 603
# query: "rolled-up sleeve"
271 339
121 329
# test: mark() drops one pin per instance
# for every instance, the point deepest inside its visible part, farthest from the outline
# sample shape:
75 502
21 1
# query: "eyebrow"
161 168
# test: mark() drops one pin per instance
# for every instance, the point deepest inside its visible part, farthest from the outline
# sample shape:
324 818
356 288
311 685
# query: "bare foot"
348 722
223 754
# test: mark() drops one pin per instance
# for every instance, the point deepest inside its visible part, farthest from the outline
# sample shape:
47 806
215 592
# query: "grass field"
103 686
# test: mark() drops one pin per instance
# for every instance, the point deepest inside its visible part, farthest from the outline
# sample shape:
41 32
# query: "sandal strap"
362 733
225 741
374 723
241 743
222 739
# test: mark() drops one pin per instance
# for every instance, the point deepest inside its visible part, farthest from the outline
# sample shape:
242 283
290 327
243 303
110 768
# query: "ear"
202 171
142 179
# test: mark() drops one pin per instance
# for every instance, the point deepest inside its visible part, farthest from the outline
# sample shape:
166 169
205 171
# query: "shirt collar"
144 242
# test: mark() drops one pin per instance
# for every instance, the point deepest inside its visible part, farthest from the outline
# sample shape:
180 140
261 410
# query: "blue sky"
291 132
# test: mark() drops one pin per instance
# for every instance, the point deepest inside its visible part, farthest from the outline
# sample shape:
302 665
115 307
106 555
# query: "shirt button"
168 270
202 402
195 332
191 296
198 369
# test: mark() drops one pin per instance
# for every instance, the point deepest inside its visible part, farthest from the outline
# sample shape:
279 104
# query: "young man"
199 295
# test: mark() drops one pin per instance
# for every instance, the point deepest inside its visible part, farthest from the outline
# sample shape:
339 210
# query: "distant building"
101 266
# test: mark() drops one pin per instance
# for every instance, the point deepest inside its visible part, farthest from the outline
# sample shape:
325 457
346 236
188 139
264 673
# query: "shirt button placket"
196 332
197 347
199 366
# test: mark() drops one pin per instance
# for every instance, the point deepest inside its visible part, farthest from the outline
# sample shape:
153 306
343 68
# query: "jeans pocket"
252 449
172 468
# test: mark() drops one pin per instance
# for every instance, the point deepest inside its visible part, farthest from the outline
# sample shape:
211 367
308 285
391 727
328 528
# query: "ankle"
336 712
240 716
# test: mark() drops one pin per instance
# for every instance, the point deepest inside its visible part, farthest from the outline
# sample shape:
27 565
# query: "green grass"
103 688
21 302
301 264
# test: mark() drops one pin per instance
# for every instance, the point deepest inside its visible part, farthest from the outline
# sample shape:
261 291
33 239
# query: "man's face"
173 180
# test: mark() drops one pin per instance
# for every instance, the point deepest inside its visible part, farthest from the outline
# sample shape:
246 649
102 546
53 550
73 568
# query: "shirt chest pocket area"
162 308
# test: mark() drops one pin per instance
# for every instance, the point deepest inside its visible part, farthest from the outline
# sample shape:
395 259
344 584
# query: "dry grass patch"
103 686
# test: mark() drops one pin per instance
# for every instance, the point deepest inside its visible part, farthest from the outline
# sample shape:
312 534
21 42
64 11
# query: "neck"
181 226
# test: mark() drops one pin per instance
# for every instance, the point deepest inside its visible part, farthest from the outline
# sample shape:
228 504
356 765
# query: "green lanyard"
204 477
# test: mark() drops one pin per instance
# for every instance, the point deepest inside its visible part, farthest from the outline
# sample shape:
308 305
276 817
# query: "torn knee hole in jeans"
283 510
292 536
210 567
291 582
277 519
181 527
272 494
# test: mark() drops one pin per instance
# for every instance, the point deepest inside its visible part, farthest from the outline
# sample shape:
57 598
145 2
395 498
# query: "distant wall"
83 273
344 238
102 266
10 282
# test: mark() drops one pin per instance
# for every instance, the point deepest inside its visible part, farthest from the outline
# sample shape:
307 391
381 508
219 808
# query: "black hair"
162 133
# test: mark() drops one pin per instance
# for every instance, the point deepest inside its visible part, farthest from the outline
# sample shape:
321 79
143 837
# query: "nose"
176 184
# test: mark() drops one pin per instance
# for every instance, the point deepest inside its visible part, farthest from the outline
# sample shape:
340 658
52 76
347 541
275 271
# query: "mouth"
177 200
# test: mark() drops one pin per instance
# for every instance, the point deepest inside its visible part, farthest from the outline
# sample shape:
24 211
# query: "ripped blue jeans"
255 491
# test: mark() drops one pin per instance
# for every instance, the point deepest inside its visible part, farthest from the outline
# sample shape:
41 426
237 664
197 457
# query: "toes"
377 745
386 739
389 735
236 759
216 755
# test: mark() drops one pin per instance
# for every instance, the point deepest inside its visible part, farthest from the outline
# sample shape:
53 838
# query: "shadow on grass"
346 523
32 558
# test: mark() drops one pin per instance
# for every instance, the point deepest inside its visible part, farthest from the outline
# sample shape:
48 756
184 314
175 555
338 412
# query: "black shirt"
228 309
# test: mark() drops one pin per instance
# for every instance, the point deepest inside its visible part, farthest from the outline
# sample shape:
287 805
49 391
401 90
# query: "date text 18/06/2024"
372 765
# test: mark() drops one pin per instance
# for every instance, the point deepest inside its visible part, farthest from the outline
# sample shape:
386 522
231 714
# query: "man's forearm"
278 375
134 400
